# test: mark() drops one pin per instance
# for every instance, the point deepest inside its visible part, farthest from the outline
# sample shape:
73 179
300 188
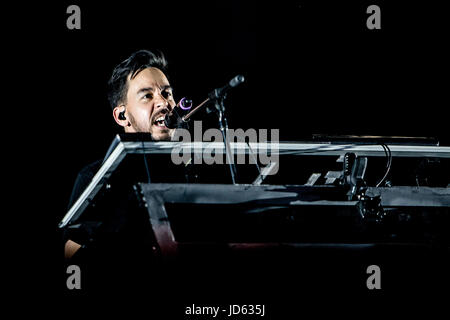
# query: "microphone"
174 119
220 92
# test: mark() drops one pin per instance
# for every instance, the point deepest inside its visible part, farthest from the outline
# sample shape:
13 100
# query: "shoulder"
83 179
90 170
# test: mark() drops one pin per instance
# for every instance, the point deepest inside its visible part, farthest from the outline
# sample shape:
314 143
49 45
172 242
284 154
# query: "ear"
120 121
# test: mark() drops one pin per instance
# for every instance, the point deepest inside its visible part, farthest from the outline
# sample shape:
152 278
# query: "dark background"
310 67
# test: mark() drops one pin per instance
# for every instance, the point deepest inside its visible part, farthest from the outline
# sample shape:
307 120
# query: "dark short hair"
138 61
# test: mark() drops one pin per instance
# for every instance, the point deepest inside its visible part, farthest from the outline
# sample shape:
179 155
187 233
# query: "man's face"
149 98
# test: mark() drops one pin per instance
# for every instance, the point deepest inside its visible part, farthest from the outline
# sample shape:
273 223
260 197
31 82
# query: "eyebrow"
147 89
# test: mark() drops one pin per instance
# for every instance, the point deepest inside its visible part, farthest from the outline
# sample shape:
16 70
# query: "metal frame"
123 148
156 195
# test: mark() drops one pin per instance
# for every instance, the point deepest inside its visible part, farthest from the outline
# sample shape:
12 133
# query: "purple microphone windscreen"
185 104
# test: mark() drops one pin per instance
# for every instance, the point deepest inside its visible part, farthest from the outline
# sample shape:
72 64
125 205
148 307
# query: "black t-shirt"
82 232
83 179
117 216
117 243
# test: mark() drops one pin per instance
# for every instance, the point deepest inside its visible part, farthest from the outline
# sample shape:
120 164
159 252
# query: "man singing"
140 96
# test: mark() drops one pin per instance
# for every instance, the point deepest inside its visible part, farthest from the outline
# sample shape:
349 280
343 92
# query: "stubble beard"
165 135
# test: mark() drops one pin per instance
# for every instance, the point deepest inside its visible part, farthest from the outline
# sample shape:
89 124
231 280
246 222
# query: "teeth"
160 122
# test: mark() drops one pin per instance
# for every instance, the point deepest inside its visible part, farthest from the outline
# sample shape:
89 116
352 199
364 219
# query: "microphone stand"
217 97
223 125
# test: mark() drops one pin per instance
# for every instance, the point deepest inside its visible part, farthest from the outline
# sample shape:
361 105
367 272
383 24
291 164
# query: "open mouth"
159 122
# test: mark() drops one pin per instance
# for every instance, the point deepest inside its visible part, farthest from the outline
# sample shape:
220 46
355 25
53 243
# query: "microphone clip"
217 94
217 100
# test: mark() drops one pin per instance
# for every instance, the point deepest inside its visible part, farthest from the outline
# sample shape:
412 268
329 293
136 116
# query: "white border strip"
285 148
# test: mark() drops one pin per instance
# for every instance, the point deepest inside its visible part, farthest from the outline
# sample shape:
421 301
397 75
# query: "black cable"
251 154
388 153
389 161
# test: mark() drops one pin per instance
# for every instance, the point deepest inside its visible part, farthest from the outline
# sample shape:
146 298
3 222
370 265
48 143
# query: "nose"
162 102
